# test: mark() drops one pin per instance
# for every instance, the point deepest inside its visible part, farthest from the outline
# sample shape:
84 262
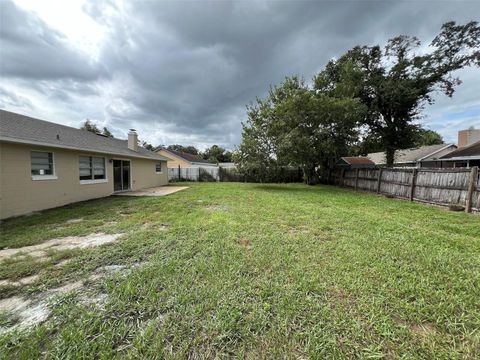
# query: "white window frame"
161 168
53 176
93 181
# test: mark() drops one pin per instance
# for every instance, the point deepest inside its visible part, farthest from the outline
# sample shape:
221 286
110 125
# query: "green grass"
257 271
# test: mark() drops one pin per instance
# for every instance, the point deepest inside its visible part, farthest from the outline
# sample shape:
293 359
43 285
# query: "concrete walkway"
154 191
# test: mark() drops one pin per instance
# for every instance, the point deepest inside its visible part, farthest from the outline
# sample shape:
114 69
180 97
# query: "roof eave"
473 157
40 143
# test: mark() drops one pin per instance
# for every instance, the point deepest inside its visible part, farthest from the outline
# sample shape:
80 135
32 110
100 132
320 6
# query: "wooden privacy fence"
438 186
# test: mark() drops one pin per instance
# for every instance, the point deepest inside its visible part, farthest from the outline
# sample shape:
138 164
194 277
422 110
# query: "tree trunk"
390 156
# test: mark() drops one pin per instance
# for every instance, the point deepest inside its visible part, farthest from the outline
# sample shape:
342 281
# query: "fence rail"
437 186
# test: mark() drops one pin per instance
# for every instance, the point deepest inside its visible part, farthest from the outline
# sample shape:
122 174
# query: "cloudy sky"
182 72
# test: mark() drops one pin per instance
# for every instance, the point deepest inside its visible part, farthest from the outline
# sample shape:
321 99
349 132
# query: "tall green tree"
399 81
426 137
217 154
186 149
92 127
148 146
297 126
107 132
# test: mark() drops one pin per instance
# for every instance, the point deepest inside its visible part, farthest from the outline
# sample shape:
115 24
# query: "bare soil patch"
23 281
216 207
245 242
33 311
74 221
424 329
70 242
30 312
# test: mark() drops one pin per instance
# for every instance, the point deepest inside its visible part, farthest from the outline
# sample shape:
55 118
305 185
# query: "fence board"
439 186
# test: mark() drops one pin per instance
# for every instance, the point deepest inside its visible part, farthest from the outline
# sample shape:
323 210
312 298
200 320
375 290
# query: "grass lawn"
251 271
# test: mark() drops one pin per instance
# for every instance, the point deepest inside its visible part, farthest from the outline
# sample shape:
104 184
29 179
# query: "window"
158 167
42 165
92 168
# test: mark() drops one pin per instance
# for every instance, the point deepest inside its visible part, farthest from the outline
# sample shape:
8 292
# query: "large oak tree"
399 80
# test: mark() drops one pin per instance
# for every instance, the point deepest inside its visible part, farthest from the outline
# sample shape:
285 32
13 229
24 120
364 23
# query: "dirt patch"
30 312
424 329
244 242
74 221
63 262
216 207
113 222
70 242
23 281
67 287
298 230
26 312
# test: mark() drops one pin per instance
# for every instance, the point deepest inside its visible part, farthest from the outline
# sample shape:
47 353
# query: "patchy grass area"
248 271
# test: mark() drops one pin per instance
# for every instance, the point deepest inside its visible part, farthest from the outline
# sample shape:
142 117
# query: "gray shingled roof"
467 152
407 155
23 129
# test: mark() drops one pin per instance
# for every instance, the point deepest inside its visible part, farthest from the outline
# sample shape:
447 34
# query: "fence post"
356 179
471 187
179 175
379 180
413 183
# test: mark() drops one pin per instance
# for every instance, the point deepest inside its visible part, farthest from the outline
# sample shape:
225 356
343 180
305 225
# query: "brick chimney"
133 140
467 137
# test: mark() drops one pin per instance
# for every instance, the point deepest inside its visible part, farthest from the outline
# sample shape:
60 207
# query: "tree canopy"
217 154
378 93
186 149
92 127
398 81
296 125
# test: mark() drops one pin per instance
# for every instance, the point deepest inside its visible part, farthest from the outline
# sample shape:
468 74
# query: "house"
466 156
45 165
423 156
354 162
183 160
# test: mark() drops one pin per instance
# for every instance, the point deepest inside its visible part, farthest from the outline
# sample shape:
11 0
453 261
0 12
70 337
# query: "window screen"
42 163
92 168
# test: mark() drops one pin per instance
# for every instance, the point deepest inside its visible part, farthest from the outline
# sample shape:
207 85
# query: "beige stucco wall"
20 194
144 175
174 162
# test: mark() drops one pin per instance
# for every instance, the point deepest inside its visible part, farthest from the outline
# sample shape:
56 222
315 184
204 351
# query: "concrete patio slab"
154 191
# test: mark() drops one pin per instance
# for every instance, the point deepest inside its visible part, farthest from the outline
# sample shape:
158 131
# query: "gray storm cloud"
183 72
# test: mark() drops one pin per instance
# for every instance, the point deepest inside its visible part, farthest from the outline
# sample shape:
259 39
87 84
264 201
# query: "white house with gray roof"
45 165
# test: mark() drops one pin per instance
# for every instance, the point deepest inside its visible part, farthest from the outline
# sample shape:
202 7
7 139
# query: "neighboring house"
466 156
354 162
184 160
45 165
424 156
